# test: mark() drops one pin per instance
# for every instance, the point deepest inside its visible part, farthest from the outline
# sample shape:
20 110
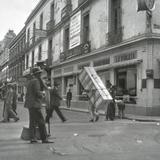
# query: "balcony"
66 11
115 37
75 52
50 26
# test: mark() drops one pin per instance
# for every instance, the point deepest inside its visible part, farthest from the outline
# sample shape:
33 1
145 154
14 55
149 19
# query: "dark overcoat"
69 95
33 98
55 98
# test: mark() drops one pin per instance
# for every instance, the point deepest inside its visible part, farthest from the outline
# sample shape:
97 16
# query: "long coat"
34 96
55 98
69 95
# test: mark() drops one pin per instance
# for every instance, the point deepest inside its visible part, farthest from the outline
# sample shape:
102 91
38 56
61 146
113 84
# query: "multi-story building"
17 61
121 43
4 56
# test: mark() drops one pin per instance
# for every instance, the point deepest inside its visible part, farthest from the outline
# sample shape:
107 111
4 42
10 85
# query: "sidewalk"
127 116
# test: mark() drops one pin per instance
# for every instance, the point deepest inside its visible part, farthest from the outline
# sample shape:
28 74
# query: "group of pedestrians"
36 92
10 104
110 108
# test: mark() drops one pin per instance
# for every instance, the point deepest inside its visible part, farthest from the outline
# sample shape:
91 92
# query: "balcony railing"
77 51
50 25
115 37
66 11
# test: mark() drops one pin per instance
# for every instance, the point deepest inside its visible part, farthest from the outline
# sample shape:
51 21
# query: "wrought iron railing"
50 25
66 11
76 51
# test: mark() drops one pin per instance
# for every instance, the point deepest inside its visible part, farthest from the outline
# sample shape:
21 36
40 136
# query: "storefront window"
69 82
126 81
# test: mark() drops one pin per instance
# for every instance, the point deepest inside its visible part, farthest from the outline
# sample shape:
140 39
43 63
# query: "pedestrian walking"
121 108
55 99
8 108
93 110
69 98
110 113
14 104
33 102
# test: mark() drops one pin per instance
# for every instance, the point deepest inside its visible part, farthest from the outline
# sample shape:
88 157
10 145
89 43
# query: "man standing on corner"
34 96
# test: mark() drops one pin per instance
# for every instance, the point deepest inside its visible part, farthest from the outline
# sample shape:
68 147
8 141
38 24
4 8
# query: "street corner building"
119 38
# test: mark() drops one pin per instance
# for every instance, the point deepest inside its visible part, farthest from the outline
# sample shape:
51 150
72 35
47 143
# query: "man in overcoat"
33 102
55 100
69 98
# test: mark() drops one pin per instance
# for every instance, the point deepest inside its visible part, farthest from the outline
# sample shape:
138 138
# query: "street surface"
78 139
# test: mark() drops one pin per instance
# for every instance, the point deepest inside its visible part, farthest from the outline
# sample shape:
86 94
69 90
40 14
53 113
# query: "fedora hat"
36 70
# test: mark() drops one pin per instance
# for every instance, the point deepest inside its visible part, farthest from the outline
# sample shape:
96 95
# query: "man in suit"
33 99
69 98
55 99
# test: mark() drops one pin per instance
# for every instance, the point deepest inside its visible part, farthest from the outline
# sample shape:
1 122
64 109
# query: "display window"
126 82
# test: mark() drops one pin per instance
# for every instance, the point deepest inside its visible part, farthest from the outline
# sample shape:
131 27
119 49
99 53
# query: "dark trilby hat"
36 70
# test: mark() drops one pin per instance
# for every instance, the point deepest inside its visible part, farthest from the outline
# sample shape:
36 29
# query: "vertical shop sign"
75 28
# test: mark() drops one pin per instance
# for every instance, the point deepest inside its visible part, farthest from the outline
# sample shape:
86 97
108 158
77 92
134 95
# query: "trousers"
36 118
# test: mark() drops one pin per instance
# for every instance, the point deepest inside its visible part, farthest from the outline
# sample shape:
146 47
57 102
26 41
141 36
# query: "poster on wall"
75 28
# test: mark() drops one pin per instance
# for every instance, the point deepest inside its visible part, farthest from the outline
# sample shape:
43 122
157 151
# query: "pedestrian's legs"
32 125
6 114
41 124
49 114
59 113
13 114
69 103
96 114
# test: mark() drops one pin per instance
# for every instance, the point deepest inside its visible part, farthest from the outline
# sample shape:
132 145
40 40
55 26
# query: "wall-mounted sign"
75 28
125 56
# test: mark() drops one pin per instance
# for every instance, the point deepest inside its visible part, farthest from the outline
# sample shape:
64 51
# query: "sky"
13 14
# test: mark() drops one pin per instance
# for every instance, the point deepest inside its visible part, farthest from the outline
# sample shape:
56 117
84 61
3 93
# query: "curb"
103 114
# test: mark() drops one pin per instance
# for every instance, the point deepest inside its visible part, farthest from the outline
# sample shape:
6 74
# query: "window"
52 11
86 28
126 81
39 52
28 35
115 15
27 61
34 28
32 58
41 21
66 39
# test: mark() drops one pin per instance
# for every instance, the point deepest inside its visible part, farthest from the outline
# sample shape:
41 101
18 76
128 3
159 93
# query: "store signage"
125 57
75 27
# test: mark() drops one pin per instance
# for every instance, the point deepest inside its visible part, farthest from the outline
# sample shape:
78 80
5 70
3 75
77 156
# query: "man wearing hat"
34 96
55 99
8 110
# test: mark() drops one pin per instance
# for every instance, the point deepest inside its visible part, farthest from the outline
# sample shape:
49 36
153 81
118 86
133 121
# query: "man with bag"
33 102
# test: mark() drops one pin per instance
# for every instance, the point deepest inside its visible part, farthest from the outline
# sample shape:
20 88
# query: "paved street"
78 139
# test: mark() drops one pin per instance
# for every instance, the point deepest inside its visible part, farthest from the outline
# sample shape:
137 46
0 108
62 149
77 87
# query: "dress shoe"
64 120
91 120
33 141
47 141
16 119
